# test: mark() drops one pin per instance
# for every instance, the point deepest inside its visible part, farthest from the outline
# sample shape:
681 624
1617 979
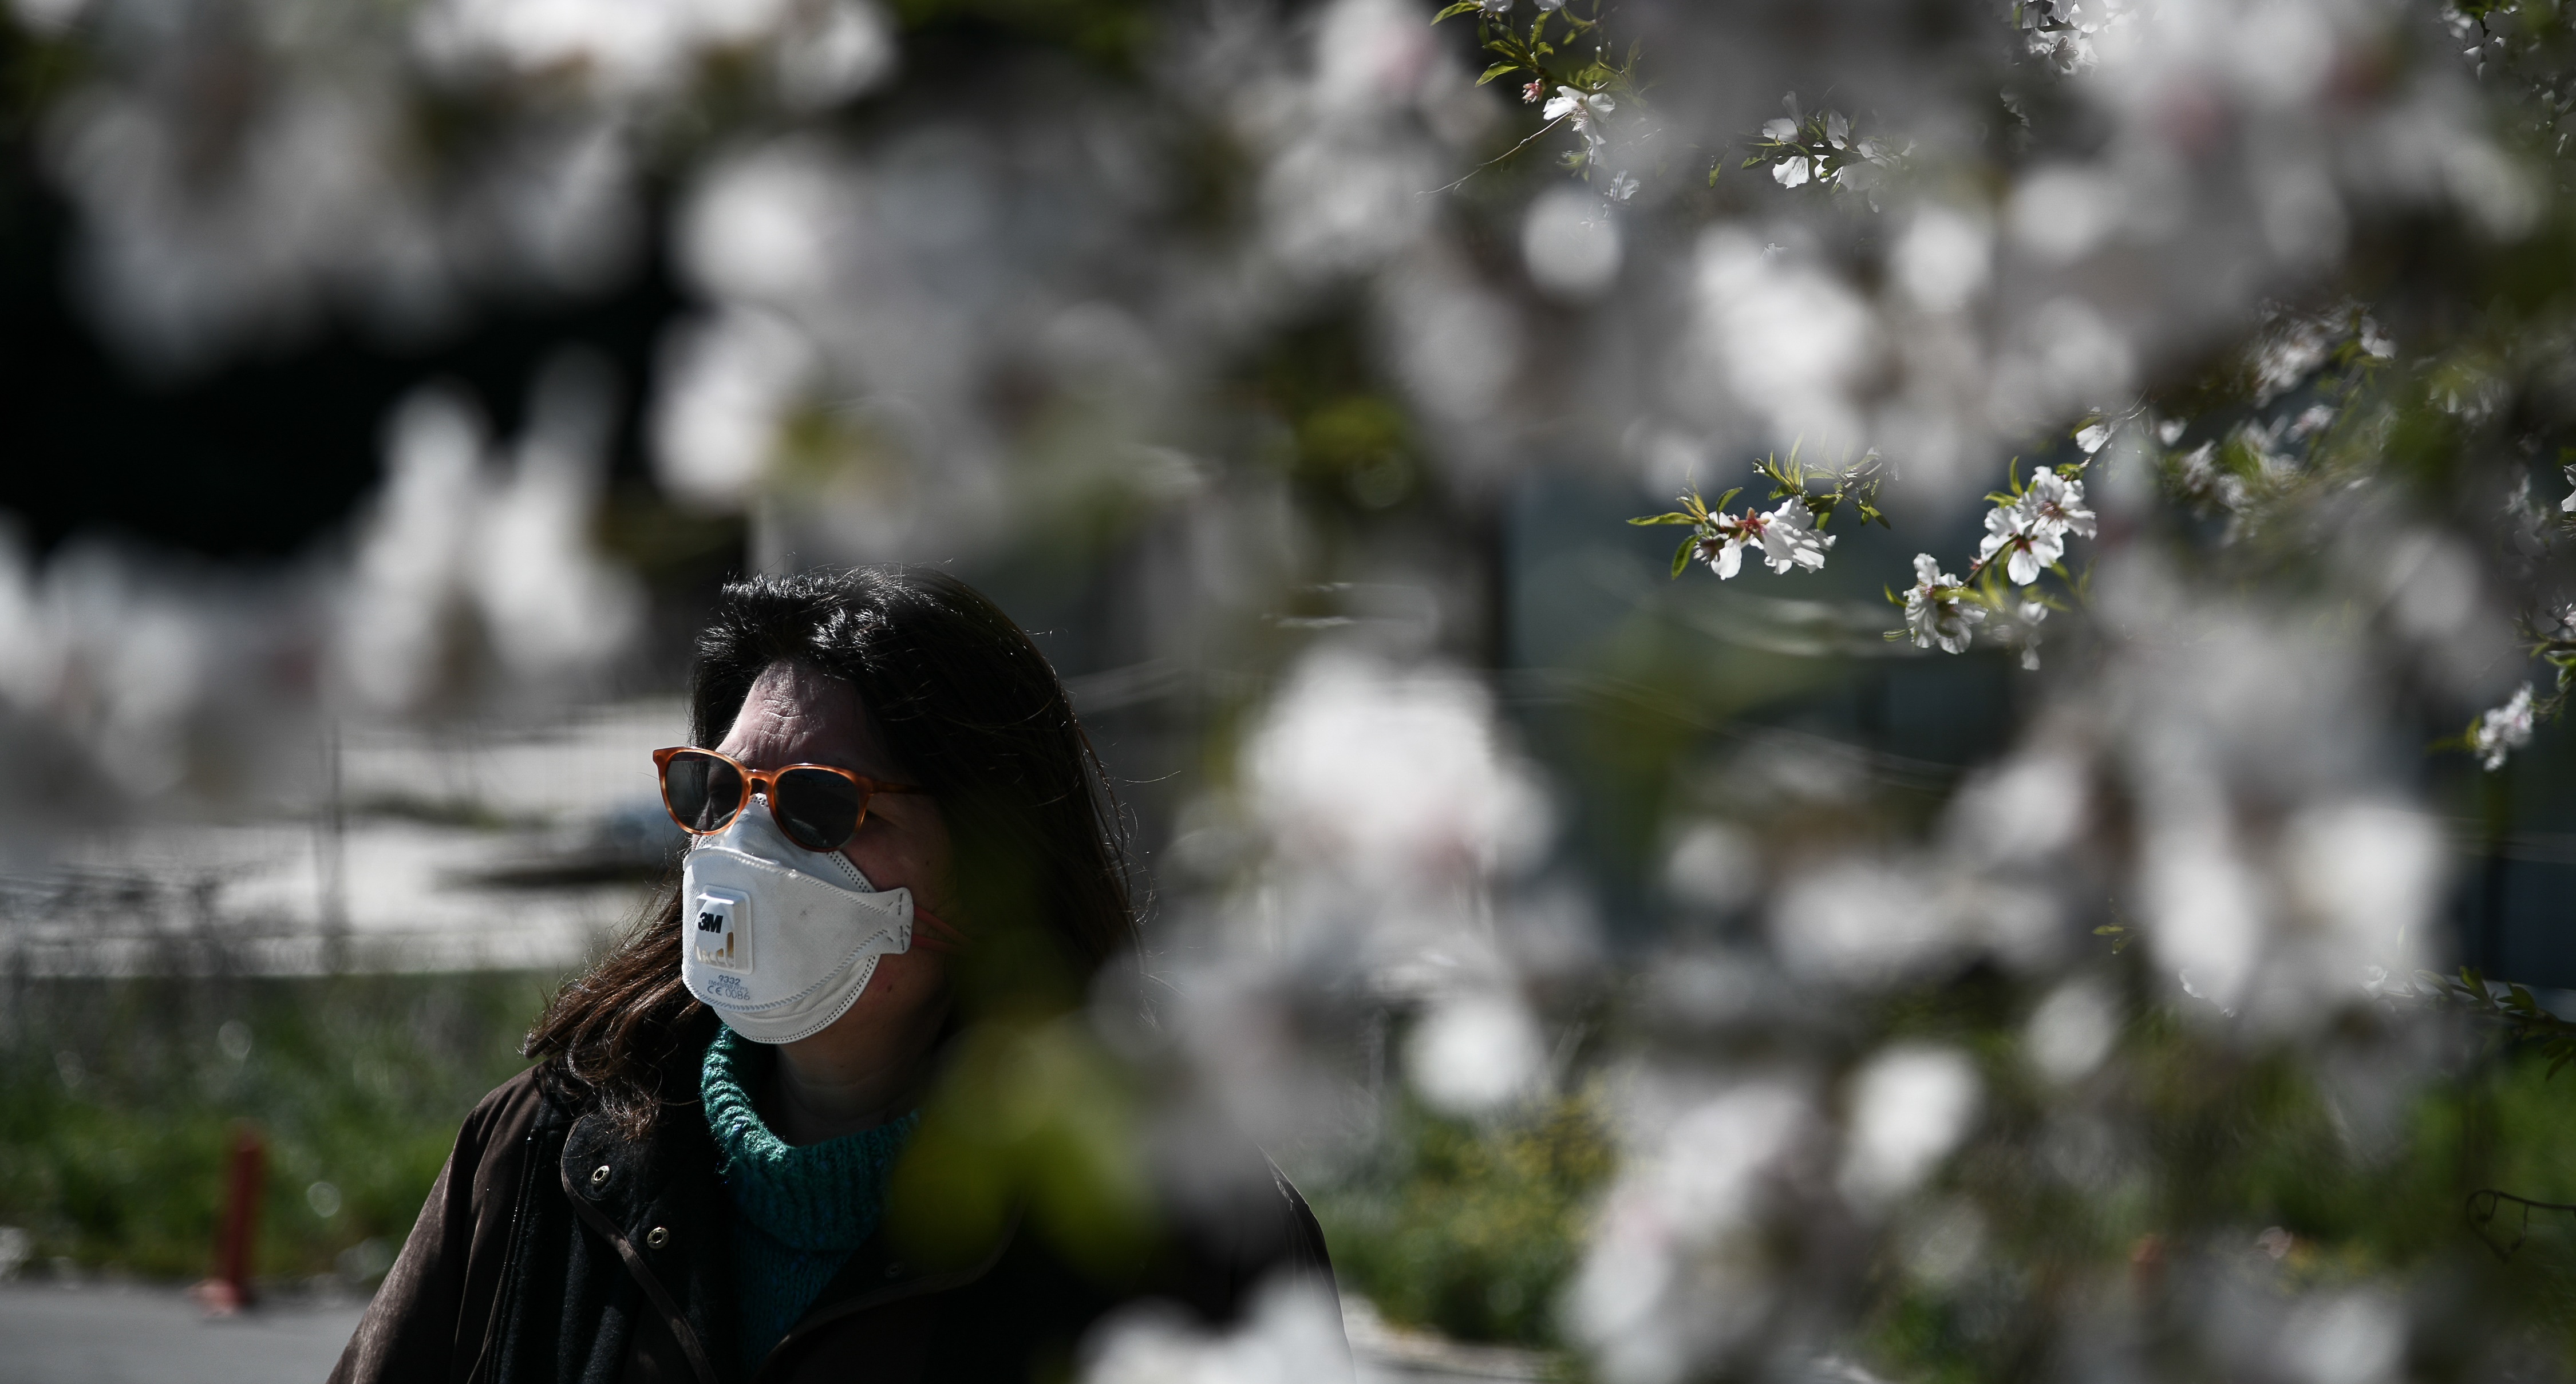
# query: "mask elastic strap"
931 934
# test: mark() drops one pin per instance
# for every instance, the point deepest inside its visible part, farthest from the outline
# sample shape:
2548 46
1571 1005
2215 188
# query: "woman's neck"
821 1089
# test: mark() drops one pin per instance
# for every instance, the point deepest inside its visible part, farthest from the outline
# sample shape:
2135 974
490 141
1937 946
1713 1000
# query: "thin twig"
2479 1220
1498 158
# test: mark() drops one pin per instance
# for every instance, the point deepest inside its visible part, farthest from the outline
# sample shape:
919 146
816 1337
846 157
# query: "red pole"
229 1291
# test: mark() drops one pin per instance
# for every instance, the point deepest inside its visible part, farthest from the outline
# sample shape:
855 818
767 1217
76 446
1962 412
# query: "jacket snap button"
659 1236
894 1270
599 1176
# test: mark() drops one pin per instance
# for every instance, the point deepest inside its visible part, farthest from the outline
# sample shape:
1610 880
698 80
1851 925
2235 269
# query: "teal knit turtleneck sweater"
800 1212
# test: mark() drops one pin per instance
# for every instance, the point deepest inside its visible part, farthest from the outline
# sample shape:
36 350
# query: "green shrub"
1469 1228
119 1100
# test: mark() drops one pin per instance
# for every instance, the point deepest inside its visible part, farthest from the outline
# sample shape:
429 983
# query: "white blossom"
1934 611
1584 110
2500 732
2058 503
1791 172
1786 537
2091 438
2028 544
2026 618
1789 537
1723 550
2568 505
1780 129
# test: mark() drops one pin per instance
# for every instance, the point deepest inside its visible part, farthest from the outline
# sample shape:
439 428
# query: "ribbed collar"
820 1199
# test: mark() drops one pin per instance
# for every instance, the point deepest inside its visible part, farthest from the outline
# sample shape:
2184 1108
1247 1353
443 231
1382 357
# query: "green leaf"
1682 554
1497 69
1650 520
1462 7
1722 499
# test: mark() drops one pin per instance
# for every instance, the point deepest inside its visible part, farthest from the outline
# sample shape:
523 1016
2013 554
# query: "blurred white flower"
2071 1031
1672 1275
727 388
1934 611
622 46
2497 733
1291 1335
1909 1106
1945 258
1475 1052
1572 250
1391 772
2352 1337
1862 922
1713 866
401 590
1792 172
2020 630
846 48
2205 908
2568 505
554 606
1780 128
1793 343
2091 437
450 534
2372 873
1622 187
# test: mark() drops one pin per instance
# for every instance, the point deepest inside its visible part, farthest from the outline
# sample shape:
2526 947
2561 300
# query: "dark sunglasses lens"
702 790
817 810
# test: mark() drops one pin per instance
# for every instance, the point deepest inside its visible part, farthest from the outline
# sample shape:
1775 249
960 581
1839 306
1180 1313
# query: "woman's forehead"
800 715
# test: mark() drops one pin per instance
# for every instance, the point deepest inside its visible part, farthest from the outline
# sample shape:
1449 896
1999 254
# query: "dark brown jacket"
552 1250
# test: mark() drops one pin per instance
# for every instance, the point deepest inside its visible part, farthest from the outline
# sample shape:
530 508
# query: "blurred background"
1648 974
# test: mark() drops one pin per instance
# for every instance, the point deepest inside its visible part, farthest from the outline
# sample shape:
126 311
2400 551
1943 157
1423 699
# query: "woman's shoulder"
508 1111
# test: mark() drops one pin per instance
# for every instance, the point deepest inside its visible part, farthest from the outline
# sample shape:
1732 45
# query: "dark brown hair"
972 712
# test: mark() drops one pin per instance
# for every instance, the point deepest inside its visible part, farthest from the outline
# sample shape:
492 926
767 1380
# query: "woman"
900 828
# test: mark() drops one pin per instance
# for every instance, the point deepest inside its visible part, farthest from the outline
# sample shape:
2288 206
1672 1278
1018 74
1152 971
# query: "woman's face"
796 715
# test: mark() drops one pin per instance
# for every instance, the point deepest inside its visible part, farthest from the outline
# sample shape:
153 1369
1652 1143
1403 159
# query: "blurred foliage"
1111 33
1465 1227
1032 1118
118 1097
2270 1176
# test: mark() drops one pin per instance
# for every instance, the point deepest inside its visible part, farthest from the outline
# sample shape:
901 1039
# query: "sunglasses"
817 806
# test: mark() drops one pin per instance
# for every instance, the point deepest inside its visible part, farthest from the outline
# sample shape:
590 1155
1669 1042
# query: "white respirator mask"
780 940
